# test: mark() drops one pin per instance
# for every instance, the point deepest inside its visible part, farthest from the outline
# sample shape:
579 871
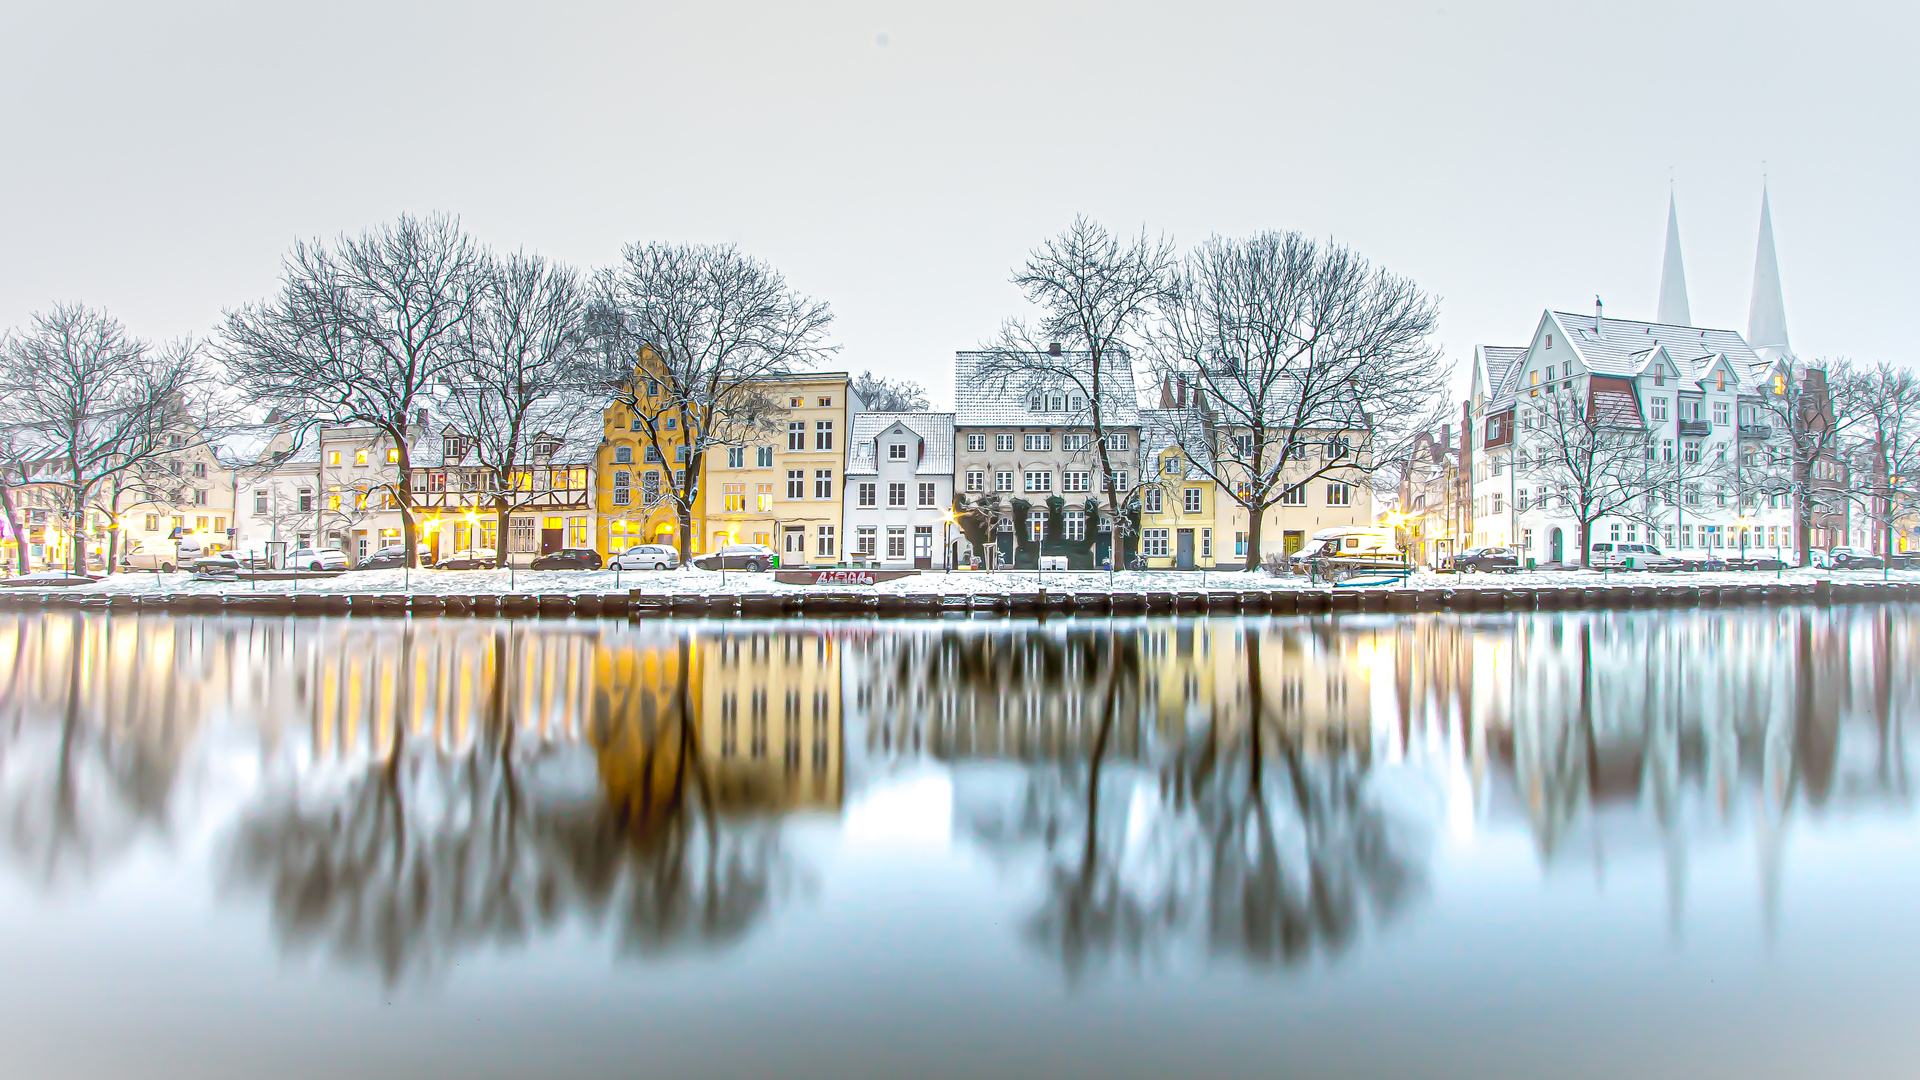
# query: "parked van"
1351 542
161 557
1608 556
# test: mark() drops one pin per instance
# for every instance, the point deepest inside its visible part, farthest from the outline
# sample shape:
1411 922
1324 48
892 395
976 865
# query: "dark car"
567 559
1756 562
738 557
1846 558
1487 560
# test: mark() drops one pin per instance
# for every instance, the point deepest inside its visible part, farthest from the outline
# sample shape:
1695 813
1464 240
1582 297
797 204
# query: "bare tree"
1095 292
1814 407
511 398
690 336
95 400
881 394
1599 459
1886 454
361 331
1305 360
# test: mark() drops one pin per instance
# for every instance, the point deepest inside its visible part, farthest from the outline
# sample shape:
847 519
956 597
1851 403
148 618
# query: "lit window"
1339 494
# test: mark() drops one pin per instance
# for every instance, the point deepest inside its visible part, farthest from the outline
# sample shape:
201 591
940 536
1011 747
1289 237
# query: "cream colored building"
784 488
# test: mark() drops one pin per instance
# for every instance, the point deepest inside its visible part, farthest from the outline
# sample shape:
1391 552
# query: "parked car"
567 559
1756 562
738 557
1611 556
1369 542
163 558
469 559
646 557
1485 560
317 559
222 565
1852 558
394 556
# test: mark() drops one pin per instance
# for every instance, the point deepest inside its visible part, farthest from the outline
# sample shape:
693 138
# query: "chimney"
1053 348
1597 312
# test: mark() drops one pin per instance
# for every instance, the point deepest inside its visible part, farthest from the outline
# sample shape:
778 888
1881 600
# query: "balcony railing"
1695 427
1756 431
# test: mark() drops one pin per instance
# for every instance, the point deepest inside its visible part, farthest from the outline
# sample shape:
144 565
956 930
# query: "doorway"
1292 540
1183 550
1554 541
553 535
794 549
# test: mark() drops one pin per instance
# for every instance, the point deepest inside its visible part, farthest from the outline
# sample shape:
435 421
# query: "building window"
763 499
1339 494
1037 525
1036 443
1657 408
1073 480
1294 496
796 483
923 541
897 542
735 498
1239 544
1690 450
864 538
1077 443
622 487
897 451
1720 412
1206 543
649 485
796 434
976 480
927 494
1150 500
333 456
976 444
1003 443
1526 539
736 457
1003 480
1191 501
866 494
1118 480
1153 543
1075 525
826 402
1520 500
1499 506
823 435
653 455
1039 481
825 547
306 500
153 522
763 457
896 494
622 455
823 483
259 505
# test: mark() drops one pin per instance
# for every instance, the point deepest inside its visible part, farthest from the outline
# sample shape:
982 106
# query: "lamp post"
946 541
1742 523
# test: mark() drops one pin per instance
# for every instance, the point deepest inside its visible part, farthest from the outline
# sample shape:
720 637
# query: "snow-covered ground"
477 582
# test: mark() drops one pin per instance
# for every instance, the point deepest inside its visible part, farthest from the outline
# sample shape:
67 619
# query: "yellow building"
782 489
1177 498
635 467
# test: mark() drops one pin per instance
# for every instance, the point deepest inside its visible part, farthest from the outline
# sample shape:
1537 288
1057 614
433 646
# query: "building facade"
899 490
783 488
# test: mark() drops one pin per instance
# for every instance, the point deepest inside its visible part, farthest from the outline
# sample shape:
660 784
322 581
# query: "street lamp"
1742 523
946 540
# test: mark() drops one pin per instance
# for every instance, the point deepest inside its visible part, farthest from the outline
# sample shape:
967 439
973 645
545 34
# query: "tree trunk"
77 533
1254 519
1586 547
500 514
403 488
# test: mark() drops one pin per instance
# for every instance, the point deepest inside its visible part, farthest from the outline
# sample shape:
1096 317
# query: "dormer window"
897 451
1056 402
1659 375
1036 403
453 448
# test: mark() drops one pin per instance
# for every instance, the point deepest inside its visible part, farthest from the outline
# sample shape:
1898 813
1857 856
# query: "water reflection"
397 794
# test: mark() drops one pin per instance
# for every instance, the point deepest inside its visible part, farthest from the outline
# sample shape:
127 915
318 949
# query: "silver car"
646 557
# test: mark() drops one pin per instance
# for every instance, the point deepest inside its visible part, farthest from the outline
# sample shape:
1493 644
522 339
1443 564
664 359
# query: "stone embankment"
854 602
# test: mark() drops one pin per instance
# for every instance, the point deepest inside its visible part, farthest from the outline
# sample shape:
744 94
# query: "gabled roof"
1165 429
1498 363
934 429
981 400
572 418
1624 346
1614 404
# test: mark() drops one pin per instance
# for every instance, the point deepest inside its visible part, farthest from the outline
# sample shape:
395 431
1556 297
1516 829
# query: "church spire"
1673 276
1767 318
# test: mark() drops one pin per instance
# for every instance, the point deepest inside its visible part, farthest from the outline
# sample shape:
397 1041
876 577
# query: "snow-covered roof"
1626 346
1165 429
986 400
574 420
1501 362
934 429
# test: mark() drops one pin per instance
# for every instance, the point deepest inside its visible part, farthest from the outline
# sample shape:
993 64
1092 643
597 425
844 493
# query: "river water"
1606 844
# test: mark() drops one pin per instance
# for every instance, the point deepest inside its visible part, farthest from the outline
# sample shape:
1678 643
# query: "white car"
1613 556
317 559
645 557
469 559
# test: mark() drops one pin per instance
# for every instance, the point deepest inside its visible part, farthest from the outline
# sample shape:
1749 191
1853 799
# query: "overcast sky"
896 160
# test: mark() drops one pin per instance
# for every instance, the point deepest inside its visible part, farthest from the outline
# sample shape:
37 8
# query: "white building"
899 490
1697 393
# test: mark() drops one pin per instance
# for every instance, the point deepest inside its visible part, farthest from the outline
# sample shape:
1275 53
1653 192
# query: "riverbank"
564 594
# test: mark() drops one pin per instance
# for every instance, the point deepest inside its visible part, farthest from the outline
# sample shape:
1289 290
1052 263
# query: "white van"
161 557
1610 556
1351 542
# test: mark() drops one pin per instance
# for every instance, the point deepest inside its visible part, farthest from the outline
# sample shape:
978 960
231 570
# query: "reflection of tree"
1244 840
423 854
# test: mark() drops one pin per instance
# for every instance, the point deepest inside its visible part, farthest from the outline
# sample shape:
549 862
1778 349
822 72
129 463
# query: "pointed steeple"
1673 276
1767 318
